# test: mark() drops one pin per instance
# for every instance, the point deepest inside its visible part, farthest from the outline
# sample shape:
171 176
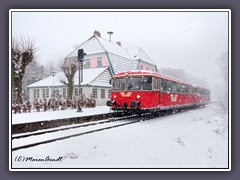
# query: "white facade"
95 81
103 93
103 59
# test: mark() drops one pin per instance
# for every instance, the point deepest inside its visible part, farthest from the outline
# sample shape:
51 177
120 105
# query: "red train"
146 91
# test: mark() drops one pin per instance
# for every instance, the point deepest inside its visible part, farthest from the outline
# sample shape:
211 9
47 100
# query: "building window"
36 93
94 93
80 91
99 61
64 92
102 93
75 91
141 67
45 93
109 94
86 63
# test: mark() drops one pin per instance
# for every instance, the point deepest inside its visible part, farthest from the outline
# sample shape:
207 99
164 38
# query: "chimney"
97 33
119 43
110 33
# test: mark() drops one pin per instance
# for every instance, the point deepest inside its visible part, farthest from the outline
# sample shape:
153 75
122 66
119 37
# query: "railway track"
72 127
134 119
37 134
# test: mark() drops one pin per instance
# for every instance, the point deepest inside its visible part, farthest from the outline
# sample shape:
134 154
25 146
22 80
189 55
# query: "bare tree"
48 69
23 52
76 46
176 73
69 67
223 64
183 75
33 73
50 66
222 61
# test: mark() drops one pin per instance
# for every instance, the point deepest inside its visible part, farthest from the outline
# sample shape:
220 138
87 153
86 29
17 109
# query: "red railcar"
138 91
201 95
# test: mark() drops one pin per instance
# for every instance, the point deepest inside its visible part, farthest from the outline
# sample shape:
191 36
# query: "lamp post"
53 74
57 96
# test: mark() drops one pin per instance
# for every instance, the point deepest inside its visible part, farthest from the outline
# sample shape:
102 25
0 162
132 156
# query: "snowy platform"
55 115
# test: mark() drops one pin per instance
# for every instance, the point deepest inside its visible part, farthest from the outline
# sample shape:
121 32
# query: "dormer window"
99 61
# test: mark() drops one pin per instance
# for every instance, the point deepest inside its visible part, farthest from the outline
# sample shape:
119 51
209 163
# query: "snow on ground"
192 139
49 115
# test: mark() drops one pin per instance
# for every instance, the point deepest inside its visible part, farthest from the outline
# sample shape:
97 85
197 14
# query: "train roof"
200 87
156 74
149 73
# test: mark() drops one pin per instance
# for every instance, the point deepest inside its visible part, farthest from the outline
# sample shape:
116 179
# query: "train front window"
147 83
134 83
119 84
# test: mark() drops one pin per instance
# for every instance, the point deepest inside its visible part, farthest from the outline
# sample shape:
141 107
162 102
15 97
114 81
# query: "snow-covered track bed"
67 127
47 136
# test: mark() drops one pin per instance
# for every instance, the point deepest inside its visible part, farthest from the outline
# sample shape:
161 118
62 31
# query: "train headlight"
115 96
138 96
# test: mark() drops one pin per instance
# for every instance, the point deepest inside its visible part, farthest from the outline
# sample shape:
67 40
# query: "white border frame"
123 10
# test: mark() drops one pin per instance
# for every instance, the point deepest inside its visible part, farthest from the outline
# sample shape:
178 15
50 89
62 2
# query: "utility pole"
53 74
81 55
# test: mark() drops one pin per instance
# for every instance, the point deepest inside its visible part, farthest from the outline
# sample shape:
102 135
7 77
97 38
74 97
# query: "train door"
156 90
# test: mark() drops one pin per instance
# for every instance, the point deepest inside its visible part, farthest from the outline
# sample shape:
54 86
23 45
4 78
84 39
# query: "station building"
103 59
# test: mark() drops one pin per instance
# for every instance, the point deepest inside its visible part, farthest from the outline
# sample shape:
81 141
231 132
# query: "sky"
188 40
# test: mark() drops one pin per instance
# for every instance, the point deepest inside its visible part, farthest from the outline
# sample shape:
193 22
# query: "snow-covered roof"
91 46
113 48
137 53
120 63
90 77
98 45
128 56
